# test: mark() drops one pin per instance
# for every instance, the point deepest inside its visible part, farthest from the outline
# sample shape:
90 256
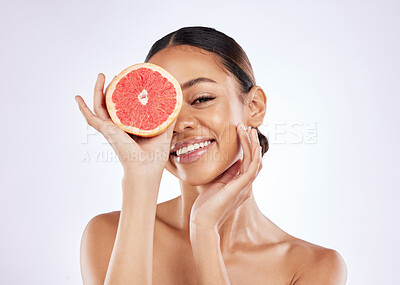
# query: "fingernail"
242 126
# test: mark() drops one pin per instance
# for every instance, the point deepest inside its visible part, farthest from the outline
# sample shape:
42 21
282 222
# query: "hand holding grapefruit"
141 155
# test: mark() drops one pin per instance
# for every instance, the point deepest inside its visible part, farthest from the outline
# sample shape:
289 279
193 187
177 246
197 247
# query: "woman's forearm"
210 266
132 256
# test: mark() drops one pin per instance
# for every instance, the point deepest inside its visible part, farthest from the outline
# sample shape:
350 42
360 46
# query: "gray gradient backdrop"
330 70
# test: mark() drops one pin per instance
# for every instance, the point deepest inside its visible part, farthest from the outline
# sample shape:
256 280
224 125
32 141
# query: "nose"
185 120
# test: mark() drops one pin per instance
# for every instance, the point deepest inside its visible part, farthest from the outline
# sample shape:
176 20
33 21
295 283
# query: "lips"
187 142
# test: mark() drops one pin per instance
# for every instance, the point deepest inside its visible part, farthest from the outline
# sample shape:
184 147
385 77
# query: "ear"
256 106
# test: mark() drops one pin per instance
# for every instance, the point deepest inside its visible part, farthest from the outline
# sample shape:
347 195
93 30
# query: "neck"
242 227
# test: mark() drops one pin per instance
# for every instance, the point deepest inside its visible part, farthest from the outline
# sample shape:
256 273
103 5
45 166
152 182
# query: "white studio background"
331 73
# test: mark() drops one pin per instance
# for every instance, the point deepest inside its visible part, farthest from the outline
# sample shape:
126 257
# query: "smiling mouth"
192 148
187 156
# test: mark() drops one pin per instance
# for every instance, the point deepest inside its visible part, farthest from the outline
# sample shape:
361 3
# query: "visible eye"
203 98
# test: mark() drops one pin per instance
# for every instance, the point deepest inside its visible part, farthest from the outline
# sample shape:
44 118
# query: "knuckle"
92 122
89 122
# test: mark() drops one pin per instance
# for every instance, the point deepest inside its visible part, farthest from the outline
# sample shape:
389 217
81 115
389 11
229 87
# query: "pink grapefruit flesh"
144 99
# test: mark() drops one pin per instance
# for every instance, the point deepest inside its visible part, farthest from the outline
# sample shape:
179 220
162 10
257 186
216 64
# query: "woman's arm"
129 260
132 258
216 203
210 266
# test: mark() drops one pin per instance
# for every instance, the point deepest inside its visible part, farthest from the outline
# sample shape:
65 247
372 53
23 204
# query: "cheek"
230 143
223 126
220 122
224 120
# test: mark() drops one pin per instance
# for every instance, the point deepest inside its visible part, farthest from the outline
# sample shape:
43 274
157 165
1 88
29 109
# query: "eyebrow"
195 81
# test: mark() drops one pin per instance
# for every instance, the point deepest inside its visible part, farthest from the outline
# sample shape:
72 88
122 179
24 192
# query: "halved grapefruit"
144 99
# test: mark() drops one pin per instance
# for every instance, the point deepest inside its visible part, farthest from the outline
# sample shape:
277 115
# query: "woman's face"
212 118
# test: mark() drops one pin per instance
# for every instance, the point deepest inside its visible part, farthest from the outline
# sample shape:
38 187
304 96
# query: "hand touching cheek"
218 201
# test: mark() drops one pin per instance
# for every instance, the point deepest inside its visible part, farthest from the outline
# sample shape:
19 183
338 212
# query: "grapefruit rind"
133 130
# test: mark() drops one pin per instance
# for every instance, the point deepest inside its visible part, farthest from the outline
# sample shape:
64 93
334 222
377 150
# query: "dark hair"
229 53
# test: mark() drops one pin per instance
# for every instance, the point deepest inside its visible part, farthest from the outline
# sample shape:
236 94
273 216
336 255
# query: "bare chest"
181 271
173 263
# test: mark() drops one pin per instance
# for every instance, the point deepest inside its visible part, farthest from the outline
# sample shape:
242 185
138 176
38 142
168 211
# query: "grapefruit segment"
144 99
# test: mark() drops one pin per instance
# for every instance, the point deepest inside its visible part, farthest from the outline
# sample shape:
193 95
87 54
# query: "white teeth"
191 148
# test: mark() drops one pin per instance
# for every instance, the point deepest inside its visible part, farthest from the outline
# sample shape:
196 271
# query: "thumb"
169 132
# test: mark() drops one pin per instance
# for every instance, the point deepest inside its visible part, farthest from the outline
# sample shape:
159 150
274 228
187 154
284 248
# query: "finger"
254 138
99 100
167 139
257 143
246 146
117 138
105 92
243 180
91 119
168 133
252 171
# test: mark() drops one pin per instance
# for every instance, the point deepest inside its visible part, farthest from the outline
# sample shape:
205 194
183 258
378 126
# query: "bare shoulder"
102 225
96 246
316 264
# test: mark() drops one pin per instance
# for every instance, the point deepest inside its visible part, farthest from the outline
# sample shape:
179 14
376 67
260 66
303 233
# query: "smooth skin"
213 233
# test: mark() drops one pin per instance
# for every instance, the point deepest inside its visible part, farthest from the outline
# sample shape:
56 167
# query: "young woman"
213 233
